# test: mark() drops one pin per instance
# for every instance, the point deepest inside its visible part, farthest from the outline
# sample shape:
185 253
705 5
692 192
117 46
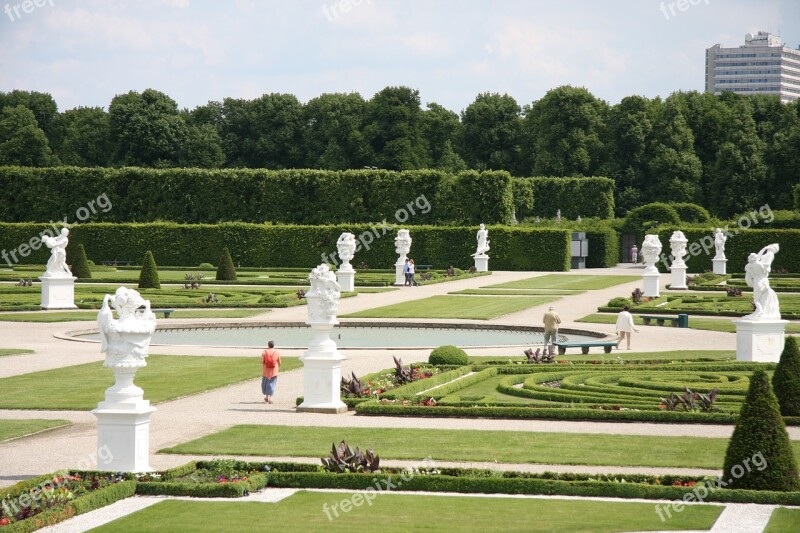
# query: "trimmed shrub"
206 266
786 379
226 271
760 432
448 355
692 213
523 197
642 219
148 277
584 197
80 267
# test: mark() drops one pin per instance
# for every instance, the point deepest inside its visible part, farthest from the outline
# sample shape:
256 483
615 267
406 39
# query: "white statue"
483 241
719 244
402 244
651 250
558 215
323 298
57 264
677 244
347 247
756 275
126 340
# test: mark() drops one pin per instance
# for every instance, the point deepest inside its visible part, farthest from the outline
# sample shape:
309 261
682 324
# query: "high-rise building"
764 65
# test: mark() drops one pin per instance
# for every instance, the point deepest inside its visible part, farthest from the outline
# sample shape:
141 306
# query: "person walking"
406 268
270 366
634 254
412 269
551 321
625 326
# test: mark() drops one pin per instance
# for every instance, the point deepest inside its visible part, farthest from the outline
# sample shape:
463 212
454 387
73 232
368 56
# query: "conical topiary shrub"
80 267
226 271
148 277
786 380
759 455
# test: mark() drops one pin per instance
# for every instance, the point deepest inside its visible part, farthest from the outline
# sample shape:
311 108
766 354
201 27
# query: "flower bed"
206 479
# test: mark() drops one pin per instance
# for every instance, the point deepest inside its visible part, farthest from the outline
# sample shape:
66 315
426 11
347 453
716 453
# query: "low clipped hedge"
411 389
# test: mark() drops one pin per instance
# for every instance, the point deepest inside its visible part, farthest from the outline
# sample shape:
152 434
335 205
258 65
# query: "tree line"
729 153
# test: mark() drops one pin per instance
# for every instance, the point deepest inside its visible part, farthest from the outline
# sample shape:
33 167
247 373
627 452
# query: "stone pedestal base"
651 284
760 340
322 374
399 276
58 293
720 266
482 263
678 280
123 437
346 280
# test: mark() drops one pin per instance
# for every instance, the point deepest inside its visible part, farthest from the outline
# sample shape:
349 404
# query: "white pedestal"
678 280
720 266
58 293
482 263
322 374
651 283
760 340
346 279
399 275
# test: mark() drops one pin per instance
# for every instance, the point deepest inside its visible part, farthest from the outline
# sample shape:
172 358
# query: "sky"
84 52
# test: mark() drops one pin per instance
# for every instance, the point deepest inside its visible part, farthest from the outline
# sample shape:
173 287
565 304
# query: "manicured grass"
709 303
724 325
518 292
400 513
783 521
12 429
469 307
73 316
13 351
624 355
164 378
467 445
566 281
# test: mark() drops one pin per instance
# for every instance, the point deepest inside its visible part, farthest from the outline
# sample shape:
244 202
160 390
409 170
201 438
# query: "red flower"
5 522
677 483
690 484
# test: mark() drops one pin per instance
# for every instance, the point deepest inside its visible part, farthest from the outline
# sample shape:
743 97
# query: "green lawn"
725 325
566 281
468 307
73 316
12 429
401 513
467 445
783 521
518 292
13 351
164 378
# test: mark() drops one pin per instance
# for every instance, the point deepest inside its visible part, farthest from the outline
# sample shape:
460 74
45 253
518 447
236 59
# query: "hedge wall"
584 197
253 195
737 248
512 248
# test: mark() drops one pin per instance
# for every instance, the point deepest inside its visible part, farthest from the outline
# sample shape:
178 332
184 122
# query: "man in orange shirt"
270 365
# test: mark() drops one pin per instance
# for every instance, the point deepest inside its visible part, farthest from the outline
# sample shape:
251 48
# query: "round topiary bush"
448 355
226 271
80 269
760 455
689 212
648 216
206 266
786 379
148 277
619 301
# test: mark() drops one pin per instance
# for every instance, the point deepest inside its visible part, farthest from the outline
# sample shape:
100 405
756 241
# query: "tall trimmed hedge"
226 271
584 197
80 266
263 245
523 197
786 379
148 277
254 195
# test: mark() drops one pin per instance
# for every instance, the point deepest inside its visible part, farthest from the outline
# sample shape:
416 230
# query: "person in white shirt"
625 326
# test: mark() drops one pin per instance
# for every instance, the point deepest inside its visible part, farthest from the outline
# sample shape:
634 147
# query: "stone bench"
585 345
646 319
166 312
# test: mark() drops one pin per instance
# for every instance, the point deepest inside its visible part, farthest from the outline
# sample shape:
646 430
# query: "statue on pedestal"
126 340
323 297
651 250
483 241
57 264
402 244
719 244
346 245
677 244
756 275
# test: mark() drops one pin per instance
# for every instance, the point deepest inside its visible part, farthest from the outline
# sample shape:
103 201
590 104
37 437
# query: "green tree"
674 169
442 131
786 379
492 128
334 137
148 277
760 438
393 129
80 266
85 137
226 271
450 160
146 129
565 130
22 141
202 147
277 126
42 106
